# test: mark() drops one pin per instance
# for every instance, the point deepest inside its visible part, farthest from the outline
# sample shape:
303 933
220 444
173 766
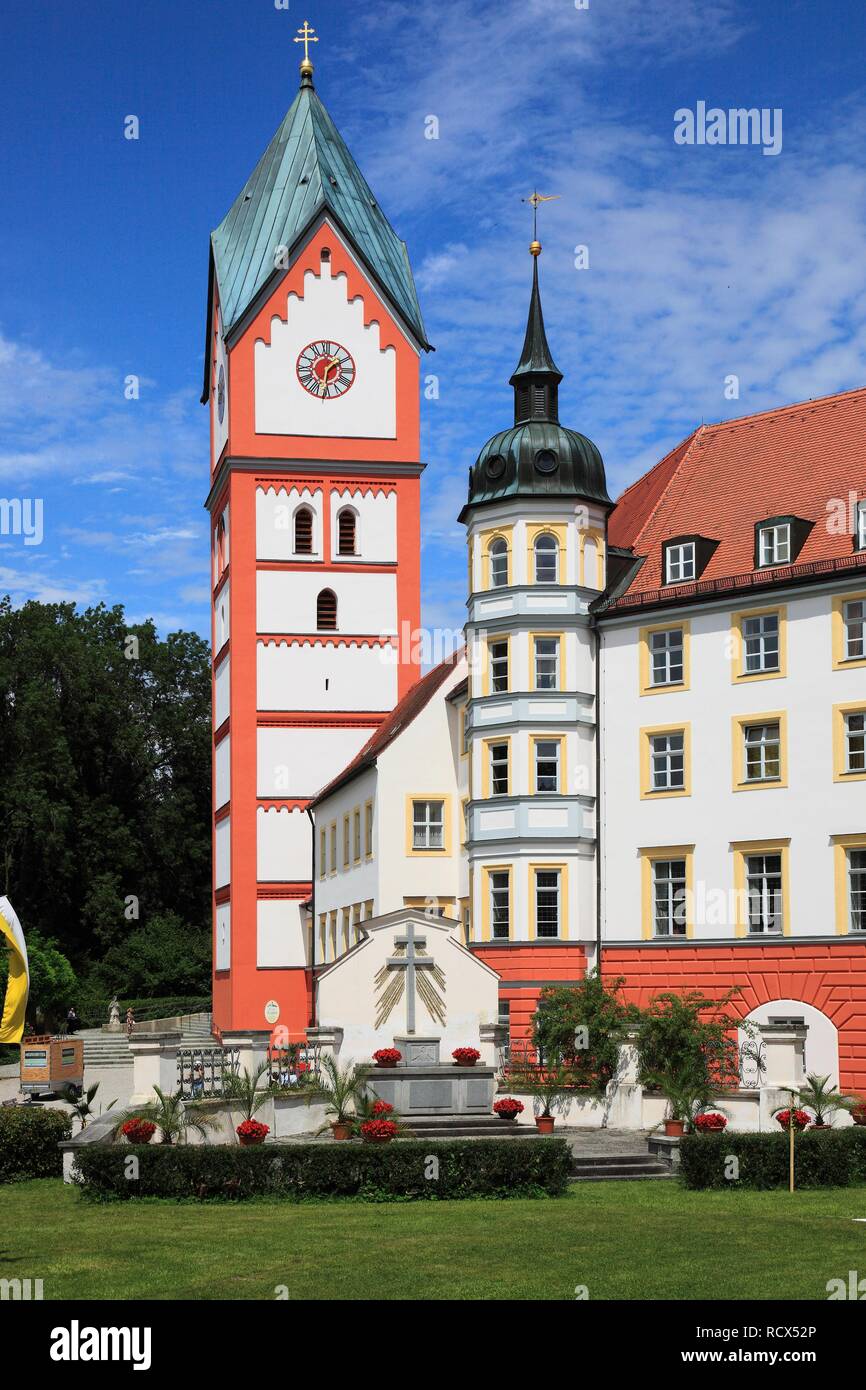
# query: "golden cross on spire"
306 36
534 199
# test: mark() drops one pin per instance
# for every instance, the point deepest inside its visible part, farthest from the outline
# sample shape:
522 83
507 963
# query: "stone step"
663 1176
624 1167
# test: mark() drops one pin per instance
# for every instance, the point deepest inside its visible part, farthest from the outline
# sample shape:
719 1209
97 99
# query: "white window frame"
856 889
555 890
538 759
427 825
669 900
774 544
681 562
542 664
855 740
764 893
762 650
668 761
550 551
499 888
761 737
860 528
498 665
663 657
498 557
854 629
498 754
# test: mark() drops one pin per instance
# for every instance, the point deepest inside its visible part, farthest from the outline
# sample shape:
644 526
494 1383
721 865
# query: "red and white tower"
314 340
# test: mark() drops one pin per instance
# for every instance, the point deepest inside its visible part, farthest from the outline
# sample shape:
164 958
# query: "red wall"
551 965
831 976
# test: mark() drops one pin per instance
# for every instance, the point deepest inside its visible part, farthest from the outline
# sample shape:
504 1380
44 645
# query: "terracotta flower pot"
467 1062
341 1129
247 1141
544 1123
378 1138
386 1064
510 1119
675 1129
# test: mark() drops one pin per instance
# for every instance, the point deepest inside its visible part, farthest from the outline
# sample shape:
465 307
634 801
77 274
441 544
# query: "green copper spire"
307 170
536 377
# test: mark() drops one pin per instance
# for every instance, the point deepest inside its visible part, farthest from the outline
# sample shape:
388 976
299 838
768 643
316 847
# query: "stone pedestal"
154 1063
418 1051
435 1089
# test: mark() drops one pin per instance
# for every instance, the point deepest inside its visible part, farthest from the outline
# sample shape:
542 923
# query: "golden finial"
534 199
306 36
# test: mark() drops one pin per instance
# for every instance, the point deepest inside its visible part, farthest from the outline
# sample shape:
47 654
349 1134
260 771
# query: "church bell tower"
314 339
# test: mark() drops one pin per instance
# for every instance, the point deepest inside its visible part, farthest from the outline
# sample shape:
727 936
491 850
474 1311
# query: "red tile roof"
724 478
407 709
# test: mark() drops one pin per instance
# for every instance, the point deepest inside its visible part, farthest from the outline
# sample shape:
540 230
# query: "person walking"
72 1022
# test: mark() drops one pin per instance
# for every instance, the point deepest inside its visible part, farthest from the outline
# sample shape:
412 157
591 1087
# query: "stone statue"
114 1024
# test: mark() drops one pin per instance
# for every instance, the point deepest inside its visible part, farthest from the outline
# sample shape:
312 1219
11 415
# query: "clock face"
325 369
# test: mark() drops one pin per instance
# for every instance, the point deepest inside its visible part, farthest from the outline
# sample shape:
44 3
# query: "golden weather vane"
306 36
534 199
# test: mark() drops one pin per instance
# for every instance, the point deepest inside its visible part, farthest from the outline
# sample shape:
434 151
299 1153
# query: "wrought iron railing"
294 1066
202 1071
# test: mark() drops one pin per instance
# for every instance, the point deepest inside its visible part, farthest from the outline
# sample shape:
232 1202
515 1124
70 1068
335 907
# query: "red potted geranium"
387 1056
799 1119
251 1132
466 1056
858 1114
138 1131
508 1108
710 1122
379 1131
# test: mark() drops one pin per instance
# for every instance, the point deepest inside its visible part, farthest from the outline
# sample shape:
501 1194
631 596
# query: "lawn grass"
644 1240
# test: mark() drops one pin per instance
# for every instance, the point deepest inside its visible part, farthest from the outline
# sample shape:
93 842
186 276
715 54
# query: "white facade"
368 410
287 602
330 675
806 815
366 860
297 762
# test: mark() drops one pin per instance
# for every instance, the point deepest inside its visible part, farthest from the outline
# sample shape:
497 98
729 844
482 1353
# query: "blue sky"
703 261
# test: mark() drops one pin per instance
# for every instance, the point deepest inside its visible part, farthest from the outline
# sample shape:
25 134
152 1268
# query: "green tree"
156 958
583 1025
688 1049
105 749
53 985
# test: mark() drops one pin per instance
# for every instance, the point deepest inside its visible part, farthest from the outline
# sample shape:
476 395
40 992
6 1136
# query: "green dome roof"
537 458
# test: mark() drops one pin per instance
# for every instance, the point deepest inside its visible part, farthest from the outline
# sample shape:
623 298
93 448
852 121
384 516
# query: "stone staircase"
112 1049
624 1167
466 1127
596 1156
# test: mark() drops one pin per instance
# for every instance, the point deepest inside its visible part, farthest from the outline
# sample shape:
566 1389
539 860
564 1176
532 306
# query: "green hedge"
29 1137
822 1158
467 1168
93 1012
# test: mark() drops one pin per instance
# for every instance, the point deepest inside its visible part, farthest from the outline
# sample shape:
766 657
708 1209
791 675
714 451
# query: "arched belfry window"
326 611
303 531
546 558
498 563
346 532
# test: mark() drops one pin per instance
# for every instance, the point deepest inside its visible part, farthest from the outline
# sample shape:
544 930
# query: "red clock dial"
325 369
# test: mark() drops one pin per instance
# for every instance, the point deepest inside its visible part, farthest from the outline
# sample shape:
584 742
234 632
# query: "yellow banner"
18 987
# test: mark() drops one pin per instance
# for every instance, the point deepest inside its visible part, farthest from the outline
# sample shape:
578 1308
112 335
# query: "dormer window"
774 544
860 529
680 562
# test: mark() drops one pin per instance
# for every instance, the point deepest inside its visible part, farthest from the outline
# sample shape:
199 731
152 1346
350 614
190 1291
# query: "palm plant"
242 1088
343 1090
824 1100
82 1102
174 1117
